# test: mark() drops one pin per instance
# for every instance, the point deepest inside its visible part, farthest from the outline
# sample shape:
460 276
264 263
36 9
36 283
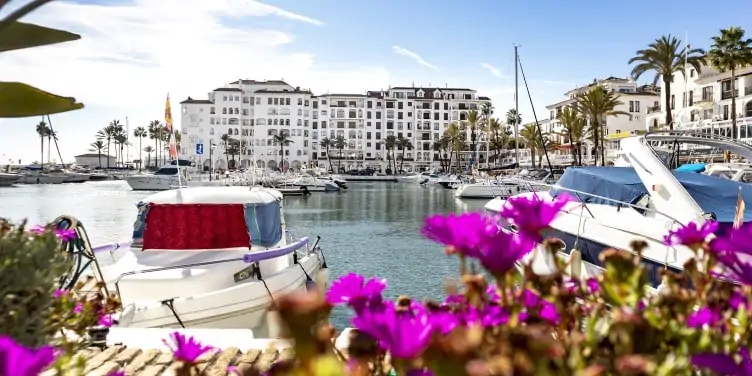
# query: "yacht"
313 184
410 178
37 175
642 200
204 257
164 179
8 179
526 181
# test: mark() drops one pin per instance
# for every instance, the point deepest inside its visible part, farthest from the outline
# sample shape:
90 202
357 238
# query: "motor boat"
8 179
526 181
165 178
323 174
613 206
205 257
410 178
313 184
37 175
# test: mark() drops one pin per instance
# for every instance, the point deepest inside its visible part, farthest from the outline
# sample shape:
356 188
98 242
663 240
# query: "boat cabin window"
207 226
746 177
726 174
167 171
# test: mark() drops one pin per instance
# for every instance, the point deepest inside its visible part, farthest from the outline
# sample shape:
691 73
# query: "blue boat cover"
713 194
264 223
691 167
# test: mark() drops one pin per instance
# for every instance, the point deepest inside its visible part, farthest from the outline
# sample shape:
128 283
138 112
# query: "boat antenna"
532 106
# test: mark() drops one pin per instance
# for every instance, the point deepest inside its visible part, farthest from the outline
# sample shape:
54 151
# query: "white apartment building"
254 111
704 103
635 100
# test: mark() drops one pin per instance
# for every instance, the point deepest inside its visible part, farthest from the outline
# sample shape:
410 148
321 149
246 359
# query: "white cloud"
412 55
133 53
496 72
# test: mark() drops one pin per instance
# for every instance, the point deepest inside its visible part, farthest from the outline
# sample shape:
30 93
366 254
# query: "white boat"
616 205
313 184
38 176
208 257
504 187
161 180
8 179
410 178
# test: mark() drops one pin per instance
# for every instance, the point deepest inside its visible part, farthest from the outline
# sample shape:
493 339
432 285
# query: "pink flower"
692 235
66 235
186 349
533 215
105 320
464 233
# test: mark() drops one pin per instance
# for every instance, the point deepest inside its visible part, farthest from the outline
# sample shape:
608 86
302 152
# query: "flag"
168 125
740 206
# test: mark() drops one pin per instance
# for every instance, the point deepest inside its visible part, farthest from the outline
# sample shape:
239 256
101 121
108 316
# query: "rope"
169 304
257 272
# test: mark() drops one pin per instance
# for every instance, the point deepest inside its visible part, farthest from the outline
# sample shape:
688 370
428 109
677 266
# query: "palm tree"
326 143
226 144
339 144
51 135
282 139
729 52
596 105
140 133
514 120
403 144
529 136
121 139
574 125
155 133
456 140
107 133
42 133
148 149
494 128
666 56
475 125
98 147
389 144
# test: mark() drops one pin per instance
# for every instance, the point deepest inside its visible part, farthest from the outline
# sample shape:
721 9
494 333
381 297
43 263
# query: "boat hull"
9 179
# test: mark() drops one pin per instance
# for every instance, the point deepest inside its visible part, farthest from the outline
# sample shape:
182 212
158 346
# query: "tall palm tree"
529 136
155 133
42 133
121 139
326 143
98 147
574 125
475 125
403 144
148 149
494 130
456 140
389 144
140 133
226 144
107 133
514 120
596 105
729 52
666 56
282 139
51 136
339 144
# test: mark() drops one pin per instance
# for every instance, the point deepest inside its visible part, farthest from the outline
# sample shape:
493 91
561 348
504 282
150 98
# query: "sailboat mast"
516 109
127 144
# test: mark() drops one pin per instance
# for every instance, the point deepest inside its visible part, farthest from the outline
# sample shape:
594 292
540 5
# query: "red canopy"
195 227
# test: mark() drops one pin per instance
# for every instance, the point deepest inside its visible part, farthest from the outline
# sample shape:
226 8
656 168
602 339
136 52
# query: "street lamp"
211 158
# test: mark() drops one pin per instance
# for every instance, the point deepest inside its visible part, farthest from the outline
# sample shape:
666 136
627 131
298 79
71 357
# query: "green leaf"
20 100
20 35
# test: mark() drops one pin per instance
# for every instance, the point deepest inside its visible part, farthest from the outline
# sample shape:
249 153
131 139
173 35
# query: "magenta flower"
464 233
739 300
545 309
499 253
354 290
593 285
704 316
736 266
105 320
17 360
404 334
419 372
66 235
736 240
492 293
38 230
59 294
692 235
187 350
117 373
533 215
723 364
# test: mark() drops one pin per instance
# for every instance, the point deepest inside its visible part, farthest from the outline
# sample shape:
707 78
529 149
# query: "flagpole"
127 144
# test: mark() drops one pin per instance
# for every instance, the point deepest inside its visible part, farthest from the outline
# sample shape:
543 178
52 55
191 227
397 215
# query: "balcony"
727 94
654 109
748 90
706 97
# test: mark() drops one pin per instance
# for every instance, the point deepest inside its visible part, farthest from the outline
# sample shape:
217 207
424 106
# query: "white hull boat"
314 184
8 179
76 177
615 205
36 177
243 262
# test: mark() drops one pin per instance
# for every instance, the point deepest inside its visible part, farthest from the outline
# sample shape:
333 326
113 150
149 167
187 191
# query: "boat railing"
248 257
582 197
687 135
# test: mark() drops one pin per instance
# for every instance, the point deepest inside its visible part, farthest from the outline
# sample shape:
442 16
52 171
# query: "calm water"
370 229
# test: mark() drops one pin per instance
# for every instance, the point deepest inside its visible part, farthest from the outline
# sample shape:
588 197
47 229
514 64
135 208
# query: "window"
691 96
270 100
287 101
672 101
300 101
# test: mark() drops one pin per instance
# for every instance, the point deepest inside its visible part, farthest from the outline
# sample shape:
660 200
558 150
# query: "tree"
226 144
666 56
107 133
596 105
282 139
456 139
729 52
574 125
339 144
326 143
403 144
155 133
529 136
121 139
389 143
475 125
148 149
42 133
98 147
514 120
51 136
140 133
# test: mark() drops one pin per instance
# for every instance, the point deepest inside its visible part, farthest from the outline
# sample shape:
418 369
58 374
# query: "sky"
134 52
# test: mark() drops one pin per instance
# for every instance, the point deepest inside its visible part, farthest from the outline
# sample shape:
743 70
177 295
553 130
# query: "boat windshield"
726 174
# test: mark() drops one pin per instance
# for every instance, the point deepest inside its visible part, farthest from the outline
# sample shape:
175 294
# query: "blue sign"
199 149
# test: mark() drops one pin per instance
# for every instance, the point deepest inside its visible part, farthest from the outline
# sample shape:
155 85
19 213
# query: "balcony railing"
748 90
707 97
654 109
727 94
